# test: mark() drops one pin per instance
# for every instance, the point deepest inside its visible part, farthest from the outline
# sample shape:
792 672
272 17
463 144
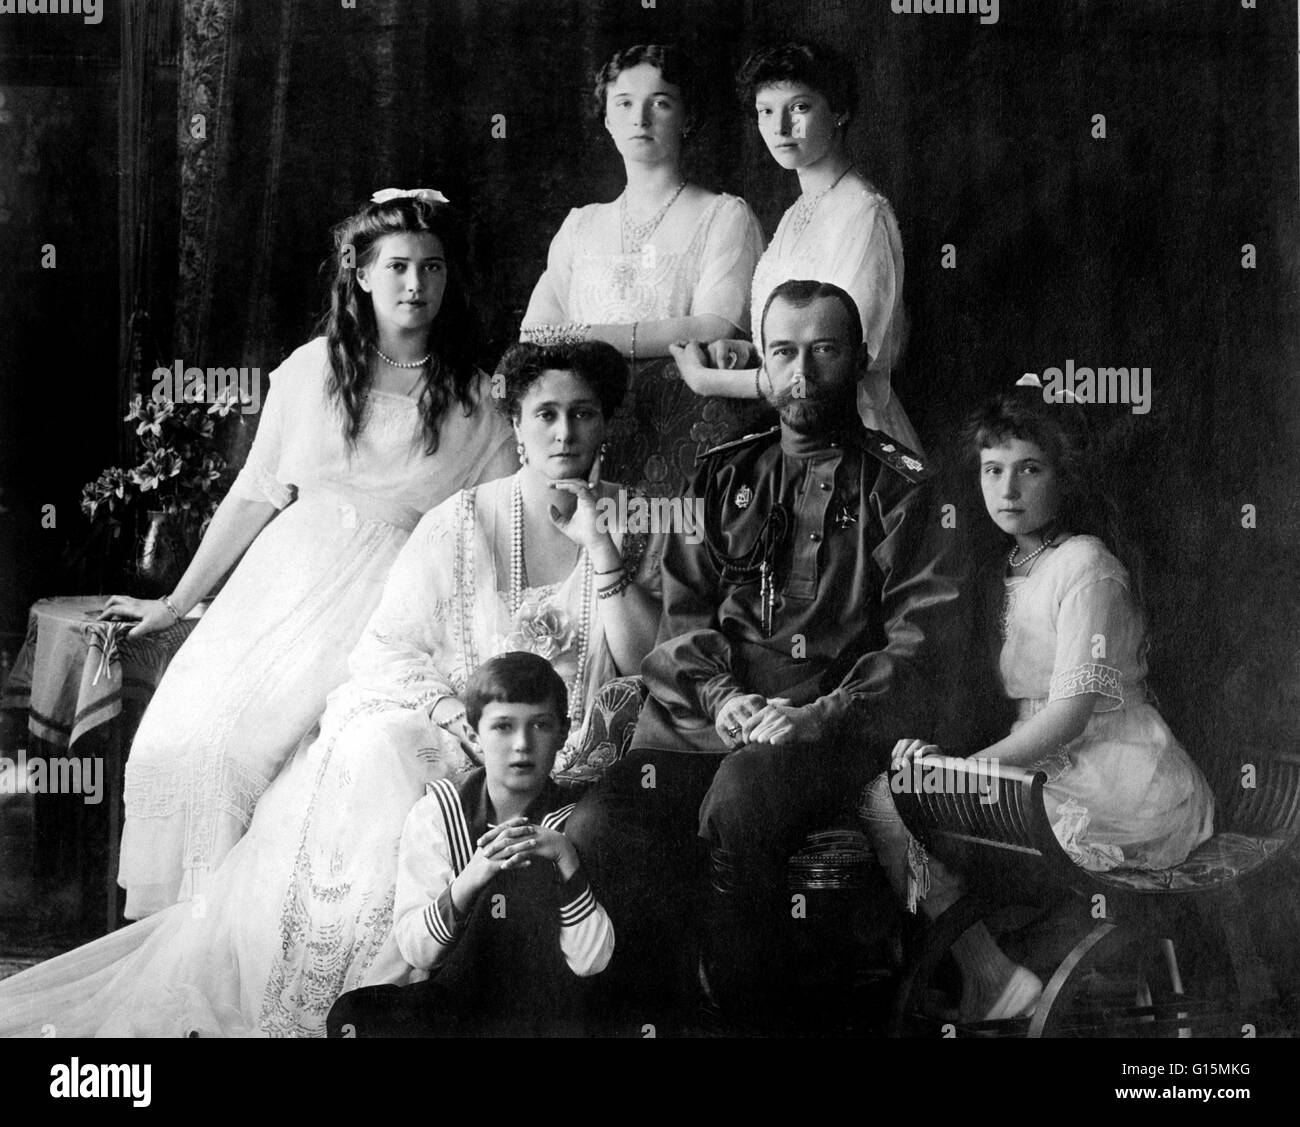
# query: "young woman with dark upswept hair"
841 229
363 430
668 260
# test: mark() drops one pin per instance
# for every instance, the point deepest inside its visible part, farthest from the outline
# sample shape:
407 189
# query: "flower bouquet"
175 488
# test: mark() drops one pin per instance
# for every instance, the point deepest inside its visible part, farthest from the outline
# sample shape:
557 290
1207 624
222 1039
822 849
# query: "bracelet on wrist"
616 588
546 335
167 602
613 570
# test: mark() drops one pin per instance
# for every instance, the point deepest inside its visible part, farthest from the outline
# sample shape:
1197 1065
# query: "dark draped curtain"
1123 251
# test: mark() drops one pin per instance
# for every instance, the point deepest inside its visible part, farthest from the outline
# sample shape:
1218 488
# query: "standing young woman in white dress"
363 430
301 908
839 230
666 261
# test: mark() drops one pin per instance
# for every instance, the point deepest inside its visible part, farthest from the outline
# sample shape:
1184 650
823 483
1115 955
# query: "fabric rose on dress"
544 630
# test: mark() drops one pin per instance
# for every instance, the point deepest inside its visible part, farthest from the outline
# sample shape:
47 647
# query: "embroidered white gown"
253 676
852 241
689 267
1123 792
301 908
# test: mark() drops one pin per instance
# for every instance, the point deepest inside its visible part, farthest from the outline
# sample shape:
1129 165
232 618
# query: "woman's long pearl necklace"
519 581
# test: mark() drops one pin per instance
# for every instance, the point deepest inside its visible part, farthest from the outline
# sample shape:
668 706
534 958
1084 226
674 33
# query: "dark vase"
162 557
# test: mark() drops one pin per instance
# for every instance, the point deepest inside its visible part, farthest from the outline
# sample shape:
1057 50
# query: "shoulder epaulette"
903 461
735 442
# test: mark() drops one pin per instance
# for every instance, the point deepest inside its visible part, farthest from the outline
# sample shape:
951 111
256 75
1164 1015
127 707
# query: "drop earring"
521 453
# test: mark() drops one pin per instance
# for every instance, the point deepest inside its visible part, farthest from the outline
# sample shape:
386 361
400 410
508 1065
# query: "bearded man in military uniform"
799 641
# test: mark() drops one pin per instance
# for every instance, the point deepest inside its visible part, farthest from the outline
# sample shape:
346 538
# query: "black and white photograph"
676 519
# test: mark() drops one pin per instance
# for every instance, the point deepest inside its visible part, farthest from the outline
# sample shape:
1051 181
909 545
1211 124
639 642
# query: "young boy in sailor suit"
491 898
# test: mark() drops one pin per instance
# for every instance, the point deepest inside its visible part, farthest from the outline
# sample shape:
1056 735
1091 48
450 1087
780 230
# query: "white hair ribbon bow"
429 195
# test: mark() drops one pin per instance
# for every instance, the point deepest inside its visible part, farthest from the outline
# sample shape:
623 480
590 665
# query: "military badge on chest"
755 563
844 508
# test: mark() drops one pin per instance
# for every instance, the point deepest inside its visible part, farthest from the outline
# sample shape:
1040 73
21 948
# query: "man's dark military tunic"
860 588
862 599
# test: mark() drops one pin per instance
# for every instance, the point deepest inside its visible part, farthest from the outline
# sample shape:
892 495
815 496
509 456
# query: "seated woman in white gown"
301 909
363 430
1069 639
668 260
840 230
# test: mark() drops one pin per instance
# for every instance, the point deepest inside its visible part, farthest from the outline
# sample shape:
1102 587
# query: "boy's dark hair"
805 63
514 678
801 294
599 365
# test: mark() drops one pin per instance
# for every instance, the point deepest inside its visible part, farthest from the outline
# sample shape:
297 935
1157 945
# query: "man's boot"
744 957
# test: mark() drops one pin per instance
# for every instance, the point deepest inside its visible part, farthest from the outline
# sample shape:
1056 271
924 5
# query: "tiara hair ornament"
429 195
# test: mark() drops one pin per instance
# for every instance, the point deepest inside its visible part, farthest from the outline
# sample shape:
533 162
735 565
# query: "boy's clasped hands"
511 845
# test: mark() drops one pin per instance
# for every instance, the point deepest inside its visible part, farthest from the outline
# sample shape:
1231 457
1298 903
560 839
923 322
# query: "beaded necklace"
1044 543
636 235
420 363
804 207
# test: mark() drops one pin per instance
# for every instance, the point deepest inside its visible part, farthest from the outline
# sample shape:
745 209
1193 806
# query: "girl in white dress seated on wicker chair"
1120 791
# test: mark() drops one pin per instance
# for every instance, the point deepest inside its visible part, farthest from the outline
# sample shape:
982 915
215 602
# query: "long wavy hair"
1088 455
351 333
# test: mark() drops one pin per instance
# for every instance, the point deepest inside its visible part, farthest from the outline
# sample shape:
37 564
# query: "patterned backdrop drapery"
1123 251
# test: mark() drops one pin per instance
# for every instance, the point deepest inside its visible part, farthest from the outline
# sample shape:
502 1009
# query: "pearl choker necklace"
420 363
1011 557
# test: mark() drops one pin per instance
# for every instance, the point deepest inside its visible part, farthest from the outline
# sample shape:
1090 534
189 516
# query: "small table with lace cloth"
83 686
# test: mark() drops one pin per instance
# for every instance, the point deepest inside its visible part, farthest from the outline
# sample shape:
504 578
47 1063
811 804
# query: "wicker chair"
1009 855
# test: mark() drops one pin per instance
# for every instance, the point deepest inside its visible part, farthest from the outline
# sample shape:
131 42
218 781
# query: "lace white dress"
301 908
1123 792
690 267
253 676
850 239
